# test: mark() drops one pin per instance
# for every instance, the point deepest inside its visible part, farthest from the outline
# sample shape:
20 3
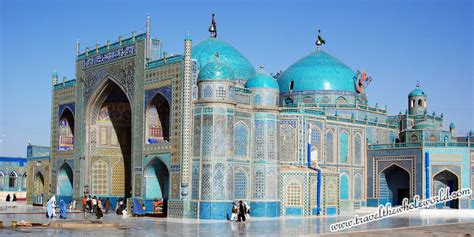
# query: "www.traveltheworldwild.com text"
387 210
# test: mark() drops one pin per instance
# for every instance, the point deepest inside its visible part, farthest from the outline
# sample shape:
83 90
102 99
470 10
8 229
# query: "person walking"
247 211
89 203
62 209
98 209
84 205
107 205
241 212
235 212
94 204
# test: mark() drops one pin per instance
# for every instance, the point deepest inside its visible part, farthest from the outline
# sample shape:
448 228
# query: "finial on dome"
417 84
212 27
261 67
320 41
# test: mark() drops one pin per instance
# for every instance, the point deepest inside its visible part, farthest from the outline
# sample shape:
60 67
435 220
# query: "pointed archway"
65 181
394 185
157 183
445 179
158 120
110 141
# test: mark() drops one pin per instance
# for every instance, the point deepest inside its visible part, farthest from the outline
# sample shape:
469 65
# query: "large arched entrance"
157 181
65 180
110 141
446 179
394 185
158 120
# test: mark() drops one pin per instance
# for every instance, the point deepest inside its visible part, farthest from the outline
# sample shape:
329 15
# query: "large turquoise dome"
317 71
262 80
205 52
216 70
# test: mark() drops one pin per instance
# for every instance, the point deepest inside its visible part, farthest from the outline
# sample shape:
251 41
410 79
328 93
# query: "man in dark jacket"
241 212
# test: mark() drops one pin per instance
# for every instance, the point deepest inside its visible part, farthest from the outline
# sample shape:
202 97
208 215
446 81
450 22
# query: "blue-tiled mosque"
204 128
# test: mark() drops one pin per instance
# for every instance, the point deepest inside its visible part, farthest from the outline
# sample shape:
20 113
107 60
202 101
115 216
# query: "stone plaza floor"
421 223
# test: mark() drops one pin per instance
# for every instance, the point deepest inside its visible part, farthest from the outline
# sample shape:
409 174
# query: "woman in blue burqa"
63 209
137 208
50 207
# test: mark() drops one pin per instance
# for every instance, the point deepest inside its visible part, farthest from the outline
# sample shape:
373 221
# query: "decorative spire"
417 84
261 67
213 28
320 41
78 47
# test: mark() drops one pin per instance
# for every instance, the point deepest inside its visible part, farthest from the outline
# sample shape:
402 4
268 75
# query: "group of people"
95 206
11 200
241 212
51 208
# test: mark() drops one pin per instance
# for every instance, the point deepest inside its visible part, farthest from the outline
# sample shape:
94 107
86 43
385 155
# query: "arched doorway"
446 179
38 188
158 120
65 180
157 183
12 181
66 130
109 140
394 185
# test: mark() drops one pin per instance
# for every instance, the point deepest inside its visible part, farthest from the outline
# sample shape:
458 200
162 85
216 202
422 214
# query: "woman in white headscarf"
50 206
247 211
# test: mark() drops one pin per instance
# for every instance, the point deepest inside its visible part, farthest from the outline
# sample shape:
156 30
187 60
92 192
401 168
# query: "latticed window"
259 139
271 140
195 183
358 149
259 188
241 136
257 99
329 147
240 185
293 192
208 91
343 147
220 91
357 187
207 135
287 145
219 182
206 182
315 144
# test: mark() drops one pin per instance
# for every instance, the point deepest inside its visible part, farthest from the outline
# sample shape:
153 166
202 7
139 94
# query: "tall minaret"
54 78
148 38
186 121
78 47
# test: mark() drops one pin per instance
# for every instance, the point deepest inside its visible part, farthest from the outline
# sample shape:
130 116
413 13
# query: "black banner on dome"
109 56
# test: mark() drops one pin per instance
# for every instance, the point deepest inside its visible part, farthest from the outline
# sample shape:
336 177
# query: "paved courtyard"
147 226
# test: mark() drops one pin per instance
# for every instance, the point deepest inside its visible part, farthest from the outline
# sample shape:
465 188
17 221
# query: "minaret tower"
186 122
417 101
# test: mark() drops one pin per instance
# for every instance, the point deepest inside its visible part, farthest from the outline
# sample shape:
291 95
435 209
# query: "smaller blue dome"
417 92
262 79
451 126
216 71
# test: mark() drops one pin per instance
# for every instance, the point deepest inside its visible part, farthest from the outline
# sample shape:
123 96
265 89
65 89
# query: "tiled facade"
196 131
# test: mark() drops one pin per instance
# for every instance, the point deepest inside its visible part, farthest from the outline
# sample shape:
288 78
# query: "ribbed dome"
205 52
417 92
318 71
216 70
262 79
451 126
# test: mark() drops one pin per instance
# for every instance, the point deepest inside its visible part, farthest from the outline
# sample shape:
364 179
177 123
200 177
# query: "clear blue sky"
396 42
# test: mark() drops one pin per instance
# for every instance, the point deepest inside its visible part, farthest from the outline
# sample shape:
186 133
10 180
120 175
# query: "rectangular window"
292 83
220 91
